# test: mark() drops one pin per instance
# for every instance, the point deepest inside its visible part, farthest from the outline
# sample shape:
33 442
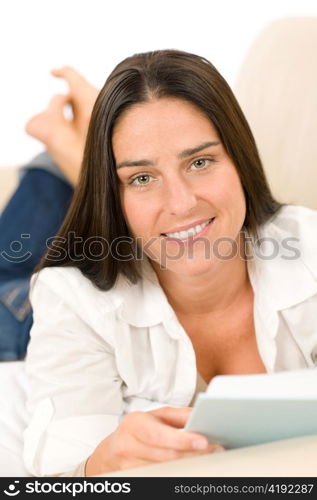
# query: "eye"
201 163
142 180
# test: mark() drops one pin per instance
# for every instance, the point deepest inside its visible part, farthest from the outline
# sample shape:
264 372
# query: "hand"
148 437
65 139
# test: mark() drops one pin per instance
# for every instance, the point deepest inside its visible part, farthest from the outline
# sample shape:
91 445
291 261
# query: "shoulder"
295 225
69 285
293 221
296 220
141 304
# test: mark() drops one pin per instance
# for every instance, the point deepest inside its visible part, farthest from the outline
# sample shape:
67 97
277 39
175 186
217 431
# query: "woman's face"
175 175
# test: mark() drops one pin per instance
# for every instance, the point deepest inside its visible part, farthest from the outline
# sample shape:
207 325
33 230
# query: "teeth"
191 232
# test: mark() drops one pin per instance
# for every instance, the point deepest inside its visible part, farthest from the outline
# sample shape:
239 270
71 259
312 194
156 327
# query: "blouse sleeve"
79 471
74 396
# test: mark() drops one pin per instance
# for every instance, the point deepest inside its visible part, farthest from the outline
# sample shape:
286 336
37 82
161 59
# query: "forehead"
169 122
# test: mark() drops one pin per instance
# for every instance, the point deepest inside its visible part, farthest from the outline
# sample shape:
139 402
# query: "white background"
94 35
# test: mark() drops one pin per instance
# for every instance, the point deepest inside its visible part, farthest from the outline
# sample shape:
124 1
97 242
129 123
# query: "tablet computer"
234 422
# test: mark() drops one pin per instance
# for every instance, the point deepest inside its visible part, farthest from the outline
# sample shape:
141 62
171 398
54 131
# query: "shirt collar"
144 304
282 282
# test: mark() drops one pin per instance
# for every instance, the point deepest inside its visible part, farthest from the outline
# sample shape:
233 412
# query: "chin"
190 267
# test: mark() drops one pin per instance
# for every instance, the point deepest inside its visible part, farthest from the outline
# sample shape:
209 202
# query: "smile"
191 233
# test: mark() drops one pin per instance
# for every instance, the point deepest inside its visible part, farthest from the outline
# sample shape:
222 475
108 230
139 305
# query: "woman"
162 275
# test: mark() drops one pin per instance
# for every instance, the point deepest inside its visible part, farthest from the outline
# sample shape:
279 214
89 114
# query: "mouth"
190 235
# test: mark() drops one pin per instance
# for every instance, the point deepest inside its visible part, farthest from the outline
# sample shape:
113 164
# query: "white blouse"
95 356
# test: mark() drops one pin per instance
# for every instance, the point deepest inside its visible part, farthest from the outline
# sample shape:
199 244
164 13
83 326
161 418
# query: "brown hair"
95 213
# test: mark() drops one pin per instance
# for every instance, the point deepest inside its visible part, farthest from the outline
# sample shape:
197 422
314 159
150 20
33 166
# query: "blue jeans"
33 214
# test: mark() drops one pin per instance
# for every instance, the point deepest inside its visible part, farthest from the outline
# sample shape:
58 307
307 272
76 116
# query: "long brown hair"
95 214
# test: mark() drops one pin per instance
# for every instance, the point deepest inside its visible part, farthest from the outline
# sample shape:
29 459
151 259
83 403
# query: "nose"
178 195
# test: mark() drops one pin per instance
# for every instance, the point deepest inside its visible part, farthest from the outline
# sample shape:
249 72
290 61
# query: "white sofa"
8 182
276 89
278 102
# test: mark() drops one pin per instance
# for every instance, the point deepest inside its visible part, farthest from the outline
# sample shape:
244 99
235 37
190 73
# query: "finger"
131 448
177 417
151 431
135 448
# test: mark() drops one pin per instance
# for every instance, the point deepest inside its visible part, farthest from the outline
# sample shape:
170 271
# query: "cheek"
227 191
137 214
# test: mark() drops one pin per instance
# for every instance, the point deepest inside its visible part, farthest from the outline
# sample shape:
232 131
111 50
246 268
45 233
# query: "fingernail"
200 444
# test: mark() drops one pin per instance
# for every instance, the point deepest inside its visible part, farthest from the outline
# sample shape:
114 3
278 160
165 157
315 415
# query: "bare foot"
65 138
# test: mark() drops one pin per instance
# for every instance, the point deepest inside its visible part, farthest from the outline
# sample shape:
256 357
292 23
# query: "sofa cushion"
8 182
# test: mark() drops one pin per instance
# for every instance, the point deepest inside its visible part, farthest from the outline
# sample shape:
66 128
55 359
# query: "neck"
214 291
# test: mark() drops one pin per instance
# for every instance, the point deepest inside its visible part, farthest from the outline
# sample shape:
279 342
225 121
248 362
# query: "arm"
75 399
74 396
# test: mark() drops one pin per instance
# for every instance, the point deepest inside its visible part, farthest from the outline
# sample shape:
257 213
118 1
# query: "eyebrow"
182 155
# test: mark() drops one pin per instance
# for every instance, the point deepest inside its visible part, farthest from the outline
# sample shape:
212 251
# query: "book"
245 410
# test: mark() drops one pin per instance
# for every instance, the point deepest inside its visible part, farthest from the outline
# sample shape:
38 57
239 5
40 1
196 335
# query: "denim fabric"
45 162
33 214
15 319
